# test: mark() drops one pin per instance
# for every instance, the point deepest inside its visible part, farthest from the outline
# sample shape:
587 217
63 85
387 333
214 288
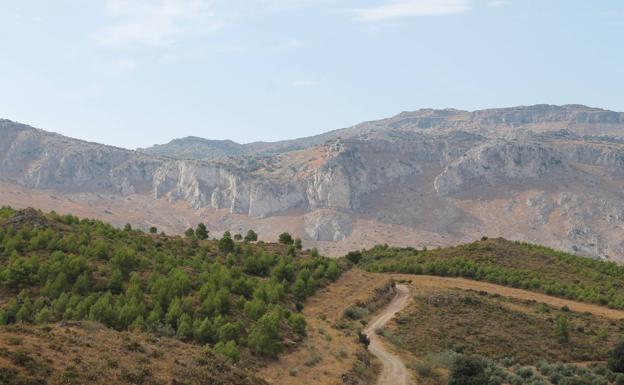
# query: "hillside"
447 334
236 297
507 263
87 353
545 174
502 312
84 302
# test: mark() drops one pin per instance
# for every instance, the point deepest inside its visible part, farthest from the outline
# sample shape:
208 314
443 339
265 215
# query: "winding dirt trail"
428 281
393 371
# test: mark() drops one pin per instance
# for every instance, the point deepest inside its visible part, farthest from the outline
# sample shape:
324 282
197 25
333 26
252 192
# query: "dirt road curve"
422 281
394 371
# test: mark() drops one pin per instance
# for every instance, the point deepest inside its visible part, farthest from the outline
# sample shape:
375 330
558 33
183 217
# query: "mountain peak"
194 147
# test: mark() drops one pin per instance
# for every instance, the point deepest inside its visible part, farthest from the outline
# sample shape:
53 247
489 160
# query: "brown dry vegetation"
497 327
494 321
92 354
340 353
428 282
505 322
509 263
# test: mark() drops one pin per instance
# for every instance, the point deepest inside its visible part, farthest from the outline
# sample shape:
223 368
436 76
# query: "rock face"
328 225
547 174
498 162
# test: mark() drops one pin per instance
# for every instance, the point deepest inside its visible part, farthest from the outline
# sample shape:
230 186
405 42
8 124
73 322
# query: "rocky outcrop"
549 174
499 162
328 225
48 161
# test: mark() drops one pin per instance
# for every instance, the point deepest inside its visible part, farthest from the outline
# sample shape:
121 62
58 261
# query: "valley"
311 192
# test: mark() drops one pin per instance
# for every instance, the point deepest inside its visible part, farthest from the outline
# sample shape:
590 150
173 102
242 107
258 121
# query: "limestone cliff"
548 174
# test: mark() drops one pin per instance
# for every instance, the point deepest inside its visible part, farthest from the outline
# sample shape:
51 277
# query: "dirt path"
393 371
322 311
465 284
326 307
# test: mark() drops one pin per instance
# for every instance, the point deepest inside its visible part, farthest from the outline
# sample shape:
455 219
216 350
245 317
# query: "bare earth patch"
326 353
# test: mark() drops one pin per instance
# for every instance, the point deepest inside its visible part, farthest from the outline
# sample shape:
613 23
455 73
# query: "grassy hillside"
448 332
242 299
513 340
507 263
88 353
498 327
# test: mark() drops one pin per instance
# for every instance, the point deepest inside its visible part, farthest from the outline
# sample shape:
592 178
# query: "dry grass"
508 322
335 351
424 281
94 355
442 319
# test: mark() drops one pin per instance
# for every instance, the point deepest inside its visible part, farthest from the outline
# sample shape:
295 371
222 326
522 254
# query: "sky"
132 73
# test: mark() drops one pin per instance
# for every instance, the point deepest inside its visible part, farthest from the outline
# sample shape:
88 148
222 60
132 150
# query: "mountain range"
546 174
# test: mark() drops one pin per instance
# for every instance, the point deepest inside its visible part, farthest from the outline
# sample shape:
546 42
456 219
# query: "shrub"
285 238
333 271
443 360
562 334
226 244
424 369
229 350
616 358
525 372
468 370
185 330
354 257
313 359
43 316
264 337
341 353
251 236
201 232
297 323
355 312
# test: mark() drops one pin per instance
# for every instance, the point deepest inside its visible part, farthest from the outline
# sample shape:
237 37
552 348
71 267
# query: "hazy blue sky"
137 72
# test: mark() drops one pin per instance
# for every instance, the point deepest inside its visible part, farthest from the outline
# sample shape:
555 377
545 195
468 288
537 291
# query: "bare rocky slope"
546 174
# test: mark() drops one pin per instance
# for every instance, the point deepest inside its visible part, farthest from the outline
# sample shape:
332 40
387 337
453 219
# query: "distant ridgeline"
508 263
241 297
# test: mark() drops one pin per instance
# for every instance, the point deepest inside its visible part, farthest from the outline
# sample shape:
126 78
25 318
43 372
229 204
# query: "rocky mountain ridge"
547 174
193 147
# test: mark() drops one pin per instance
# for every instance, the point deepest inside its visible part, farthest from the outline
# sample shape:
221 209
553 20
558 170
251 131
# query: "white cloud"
405 8
160 22
497 3
156 22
